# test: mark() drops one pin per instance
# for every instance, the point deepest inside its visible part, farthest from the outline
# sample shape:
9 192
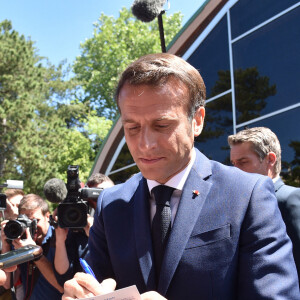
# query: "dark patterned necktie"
161 224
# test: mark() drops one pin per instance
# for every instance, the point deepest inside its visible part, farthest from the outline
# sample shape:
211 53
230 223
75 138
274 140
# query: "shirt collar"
48 235
177 181
275 178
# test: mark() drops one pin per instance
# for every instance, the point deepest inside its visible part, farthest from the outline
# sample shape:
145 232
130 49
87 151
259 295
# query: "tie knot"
162 194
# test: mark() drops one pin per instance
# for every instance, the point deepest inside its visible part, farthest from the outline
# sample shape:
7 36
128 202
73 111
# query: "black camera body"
16 228
72 212
2 201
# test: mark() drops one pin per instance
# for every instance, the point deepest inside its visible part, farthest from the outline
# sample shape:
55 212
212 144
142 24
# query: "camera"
10 184
15 228
2 201
72 212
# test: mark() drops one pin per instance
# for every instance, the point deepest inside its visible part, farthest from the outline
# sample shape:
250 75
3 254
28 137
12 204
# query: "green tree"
116 43
43 127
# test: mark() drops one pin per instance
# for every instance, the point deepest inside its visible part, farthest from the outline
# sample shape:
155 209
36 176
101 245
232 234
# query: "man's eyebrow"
128 121
241 158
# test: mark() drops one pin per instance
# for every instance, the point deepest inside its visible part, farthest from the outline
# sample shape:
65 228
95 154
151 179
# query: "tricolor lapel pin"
195 193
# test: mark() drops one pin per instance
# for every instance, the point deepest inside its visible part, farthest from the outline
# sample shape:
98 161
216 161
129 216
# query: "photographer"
70 245
37 277
13 199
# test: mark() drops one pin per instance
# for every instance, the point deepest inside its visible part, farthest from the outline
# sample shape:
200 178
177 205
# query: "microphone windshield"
147 10
55 190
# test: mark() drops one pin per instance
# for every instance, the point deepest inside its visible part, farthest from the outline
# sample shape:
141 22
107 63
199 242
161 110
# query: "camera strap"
31 279
33 272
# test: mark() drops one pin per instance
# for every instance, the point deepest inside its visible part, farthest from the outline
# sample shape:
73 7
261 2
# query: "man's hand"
90 221
18 243
3 275
152 296
84 285
11 212
5 245
61 234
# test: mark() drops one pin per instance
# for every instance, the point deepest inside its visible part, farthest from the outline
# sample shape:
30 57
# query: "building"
248 54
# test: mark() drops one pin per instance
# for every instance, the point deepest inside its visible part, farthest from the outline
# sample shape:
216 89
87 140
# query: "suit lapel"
142 233
187 215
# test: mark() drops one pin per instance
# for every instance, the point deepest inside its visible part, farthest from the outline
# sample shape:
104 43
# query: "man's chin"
154 176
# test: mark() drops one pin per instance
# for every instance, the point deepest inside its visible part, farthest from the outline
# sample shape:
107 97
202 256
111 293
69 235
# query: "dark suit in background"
289 203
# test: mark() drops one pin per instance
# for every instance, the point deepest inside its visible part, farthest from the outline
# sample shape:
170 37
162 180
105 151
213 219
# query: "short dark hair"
98 178
32 202
157 69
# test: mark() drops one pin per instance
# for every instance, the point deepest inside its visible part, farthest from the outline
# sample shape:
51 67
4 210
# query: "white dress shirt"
177 182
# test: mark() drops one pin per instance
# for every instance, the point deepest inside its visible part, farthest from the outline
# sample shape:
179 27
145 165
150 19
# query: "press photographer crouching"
32 228
72 240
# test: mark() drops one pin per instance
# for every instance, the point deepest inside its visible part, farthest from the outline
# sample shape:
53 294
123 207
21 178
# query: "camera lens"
13 229
72 215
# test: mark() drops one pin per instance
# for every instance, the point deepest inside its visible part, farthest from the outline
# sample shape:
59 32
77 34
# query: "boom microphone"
147 10
55 190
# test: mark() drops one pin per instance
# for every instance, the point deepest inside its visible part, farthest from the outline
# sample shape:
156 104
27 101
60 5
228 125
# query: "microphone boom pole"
161 32
147 11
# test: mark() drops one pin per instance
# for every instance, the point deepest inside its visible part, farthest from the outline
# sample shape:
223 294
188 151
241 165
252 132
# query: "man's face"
243 157
42 222
157 130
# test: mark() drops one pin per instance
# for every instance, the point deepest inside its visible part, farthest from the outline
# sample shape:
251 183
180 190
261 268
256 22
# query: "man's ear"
198 121
47 215
271 157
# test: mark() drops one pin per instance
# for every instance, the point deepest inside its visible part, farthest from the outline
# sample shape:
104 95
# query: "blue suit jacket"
229 242
289 204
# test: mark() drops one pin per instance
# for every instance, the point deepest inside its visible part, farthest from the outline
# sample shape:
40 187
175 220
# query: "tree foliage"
42 124
49 121
291 170
116 43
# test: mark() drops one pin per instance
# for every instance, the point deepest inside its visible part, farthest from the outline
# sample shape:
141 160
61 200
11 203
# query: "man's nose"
148 139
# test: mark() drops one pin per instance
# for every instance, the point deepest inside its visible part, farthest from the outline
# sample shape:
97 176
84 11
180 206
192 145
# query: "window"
212 142
212 56
267 68
246 14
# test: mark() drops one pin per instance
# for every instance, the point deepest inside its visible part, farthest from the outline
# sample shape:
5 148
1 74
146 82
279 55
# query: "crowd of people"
185 227
44 278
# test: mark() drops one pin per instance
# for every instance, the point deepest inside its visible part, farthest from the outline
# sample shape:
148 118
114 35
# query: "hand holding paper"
85 285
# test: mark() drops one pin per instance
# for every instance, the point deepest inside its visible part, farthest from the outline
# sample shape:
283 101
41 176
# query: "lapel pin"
195 193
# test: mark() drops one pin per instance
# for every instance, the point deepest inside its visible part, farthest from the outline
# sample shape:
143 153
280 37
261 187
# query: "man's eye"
162 126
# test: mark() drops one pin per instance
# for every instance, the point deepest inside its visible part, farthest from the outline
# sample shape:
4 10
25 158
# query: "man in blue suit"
257 150
227 237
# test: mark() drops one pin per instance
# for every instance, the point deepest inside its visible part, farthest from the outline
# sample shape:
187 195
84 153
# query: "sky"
59 26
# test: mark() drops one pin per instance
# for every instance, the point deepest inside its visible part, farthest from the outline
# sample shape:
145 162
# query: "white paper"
128 293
